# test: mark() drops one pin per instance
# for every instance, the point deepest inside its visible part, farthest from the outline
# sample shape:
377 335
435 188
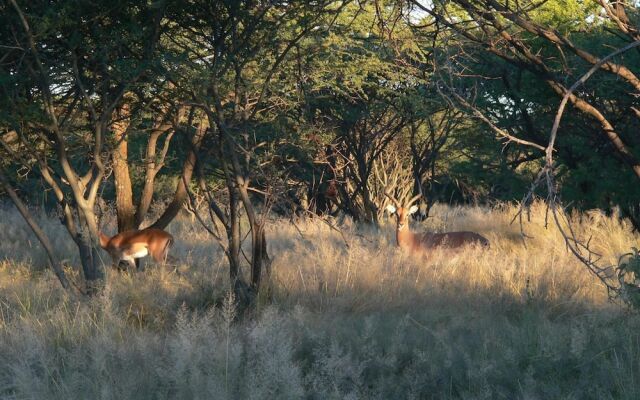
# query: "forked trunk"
259 257
92 266
180 195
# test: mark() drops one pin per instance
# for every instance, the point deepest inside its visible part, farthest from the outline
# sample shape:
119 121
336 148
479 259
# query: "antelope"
130 245
417 242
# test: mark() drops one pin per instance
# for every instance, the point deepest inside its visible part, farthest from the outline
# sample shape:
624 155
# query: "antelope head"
402 211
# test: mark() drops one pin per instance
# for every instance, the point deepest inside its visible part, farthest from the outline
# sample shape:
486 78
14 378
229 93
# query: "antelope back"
451 239
159 244
156 241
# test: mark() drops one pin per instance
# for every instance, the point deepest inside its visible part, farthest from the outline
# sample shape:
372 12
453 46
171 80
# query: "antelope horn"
395 202
413 199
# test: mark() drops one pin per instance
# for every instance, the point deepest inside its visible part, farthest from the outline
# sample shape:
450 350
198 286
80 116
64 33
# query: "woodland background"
279 126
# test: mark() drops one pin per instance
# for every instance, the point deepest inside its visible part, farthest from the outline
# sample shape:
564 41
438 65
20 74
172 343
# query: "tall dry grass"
336 320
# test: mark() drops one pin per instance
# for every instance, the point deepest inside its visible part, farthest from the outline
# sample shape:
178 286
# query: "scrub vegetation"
363 321
264 142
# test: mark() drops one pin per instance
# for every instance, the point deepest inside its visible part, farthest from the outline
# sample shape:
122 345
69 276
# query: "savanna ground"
358 322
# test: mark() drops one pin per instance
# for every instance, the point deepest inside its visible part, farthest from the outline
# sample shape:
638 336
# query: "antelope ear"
391 208
104 240
413 209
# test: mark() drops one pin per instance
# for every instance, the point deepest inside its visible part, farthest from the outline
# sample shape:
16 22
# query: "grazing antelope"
131 245
417 242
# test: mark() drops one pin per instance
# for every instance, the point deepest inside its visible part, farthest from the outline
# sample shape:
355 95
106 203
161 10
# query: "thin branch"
578 248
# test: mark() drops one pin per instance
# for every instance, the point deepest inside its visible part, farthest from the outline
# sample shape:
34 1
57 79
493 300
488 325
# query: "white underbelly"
143 252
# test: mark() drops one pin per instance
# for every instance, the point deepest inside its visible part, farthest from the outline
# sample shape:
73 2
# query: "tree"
231 56
532 50
359 84
168 117
62 80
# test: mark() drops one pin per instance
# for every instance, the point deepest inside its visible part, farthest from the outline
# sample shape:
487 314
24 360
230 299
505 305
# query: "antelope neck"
403 235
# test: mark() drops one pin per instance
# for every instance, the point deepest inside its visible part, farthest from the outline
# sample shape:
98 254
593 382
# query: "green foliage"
364 65
516 98
568 16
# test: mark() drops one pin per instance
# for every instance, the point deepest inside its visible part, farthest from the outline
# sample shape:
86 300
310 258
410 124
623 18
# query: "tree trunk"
233 235
180 195
244 294
259 255
124 194
154 161
92 266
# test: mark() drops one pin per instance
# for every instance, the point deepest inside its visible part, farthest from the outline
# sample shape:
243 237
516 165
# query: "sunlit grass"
354 319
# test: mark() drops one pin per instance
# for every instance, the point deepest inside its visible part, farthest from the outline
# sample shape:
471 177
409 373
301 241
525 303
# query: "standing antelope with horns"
130 245
417 242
